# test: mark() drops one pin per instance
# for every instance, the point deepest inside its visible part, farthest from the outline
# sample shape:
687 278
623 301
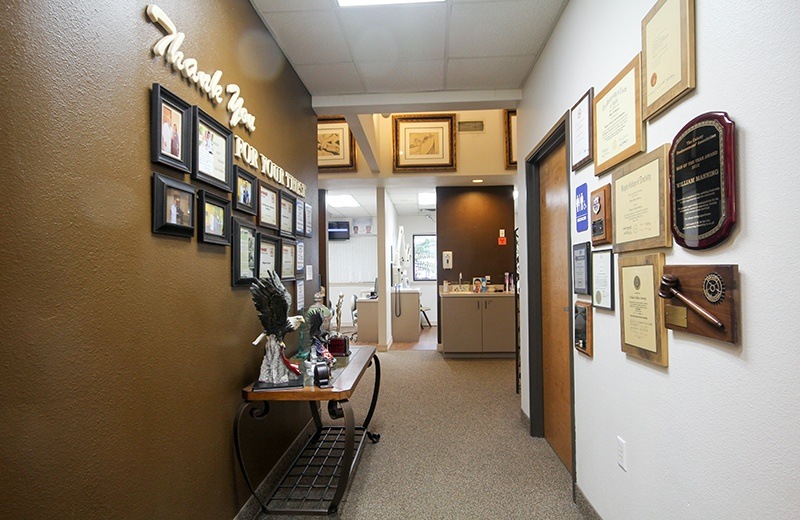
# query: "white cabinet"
478 324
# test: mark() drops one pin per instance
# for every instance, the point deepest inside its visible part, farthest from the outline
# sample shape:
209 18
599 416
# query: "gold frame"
345 159
681 29
656 261
440 127
588 348
510 138
620 195
632 112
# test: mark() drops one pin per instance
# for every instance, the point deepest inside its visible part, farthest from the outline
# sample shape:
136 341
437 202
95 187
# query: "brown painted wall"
124 352
468 221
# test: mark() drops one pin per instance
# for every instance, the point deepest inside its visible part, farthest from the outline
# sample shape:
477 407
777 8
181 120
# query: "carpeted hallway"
452 446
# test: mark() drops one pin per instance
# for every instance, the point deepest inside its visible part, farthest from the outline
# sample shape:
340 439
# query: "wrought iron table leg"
347 457
255 413
374 437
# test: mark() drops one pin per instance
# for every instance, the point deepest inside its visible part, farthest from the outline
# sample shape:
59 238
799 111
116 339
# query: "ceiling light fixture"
477 181
360 3
342 201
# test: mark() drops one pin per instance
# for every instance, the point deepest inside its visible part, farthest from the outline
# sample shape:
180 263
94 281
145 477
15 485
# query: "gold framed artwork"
424 143
336 148
618 131
510 138
643 333
641 210
668 54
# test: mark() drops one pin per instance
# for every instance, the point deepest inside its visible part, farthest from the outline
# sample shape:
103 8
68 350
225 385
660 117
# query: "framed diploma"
618 128
267 206
300 261
668 54
581 268
643 333
603 279
583 328
309 220
300 218
580 131
269 249
640 203
300 286
286 214
288 257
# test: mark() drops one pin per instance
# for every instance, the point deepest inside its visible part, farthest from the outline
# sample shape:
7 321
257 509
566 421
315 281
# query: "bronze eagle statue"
272 302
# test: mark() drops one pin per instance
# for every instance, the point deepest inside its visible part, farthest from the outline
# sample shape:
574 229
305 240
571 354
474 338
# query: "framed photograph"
580 131
336 148
641 208
668 54
582 268
170 129
424 143
288 259
243 257
510 138
267 206
300 260
173 206
309 220
299 218
300 287
269 254
603 279
618 126
643 333
286 213
213 219
583 328
245 196
213 152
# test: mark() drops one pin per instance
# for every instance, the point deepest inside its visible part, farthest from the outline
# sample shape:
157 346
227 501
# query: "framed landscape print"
214 220
267 206
308 221
170 129
286 213
424 143
213 151
269 254
299 218
245 196
510 138
288 259
643 333
336 148
173 206
243 256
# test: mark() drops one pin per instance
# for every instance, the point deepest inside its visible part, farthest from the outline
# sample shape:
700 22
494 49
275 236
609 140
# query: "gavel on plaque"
670 287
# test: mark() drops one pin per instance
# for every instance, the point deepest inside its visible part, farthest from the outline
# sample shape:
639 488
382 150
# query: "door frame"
554 137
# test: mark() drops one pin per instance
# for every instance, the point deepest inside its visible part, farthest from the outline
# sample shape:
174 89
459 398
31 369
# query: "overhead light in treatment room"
360 3
342 201
477 181
426 198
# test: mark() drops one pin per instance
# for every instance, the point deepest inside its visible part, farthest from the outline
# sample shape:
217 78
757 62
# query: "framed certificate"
288 257
268 254
300 218
267 206
286 214
580 131
643 333
581 268
618 129
668 54
603 279
641 212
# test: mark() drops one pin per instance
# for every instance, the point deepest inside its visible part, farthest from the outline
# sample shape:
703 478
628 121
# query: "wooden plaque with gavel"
702 300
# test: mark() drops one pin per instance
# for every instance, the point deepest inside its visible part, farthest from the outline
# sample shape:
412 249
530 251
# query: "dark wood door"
556 296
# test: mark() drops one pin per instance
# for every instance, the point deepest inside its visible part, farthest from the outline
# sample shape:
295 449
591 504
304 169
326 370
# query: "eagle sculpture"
272 302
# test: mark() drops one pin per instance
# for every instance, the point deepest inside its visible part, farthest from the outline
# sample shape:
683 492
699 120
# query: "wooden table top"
347 373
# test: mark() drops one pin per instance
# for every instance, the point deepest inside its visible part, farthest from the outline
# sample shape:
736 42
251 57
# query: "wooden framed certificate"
580 131
603 279
668 54
618 129
641 212
643 333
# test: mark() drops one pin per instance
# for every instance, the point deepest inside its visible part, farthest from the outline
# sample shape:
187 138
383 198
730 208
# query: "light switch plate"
447 259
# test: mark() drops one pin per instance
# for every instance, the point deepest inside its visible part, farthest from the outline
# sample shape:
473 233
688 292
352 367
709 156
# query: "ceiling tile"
488 73
268 6
309 37
414 76
330 79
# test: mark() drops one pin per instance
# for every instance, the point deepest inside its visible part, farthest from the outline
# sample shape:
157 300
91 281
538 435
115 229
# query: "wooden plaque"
601 215
583 328
716 289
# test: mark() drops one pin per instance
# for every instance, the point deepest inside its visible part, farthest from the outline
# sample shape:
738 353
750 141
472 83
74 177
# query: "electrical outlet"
622 455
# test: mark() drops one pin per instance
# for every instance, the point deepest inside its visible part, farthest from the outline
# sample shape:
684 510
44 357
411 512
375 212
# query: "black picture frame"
168 111
582 268
173 204
208 222
309 220
271 241
299 218
269 206
243 242
210 139
288 264
286 214
244 187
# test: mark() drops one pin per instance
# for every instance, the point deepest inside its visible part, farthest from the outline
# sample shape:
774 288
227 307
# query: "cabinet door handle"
478 305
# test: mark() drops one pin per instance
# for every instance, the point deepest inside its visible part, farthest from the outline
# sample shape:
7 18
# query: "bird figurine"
272 302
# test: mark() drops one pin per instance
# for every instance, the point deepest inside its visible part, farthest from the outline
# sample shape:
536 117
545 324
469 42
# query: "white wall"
717 434
421 225
387 241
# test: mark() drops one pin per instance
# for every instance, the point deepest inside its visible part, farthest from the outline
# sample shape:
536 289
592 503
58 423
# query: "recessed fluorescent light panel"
426 198
342 201
360 3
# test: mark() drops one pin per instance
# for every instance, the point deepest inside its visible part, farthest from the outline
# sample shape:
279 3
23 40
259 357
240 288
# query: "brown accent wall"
124 352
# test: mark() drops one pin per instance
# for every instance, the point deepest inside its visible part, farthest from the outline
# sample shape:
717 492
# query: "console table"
318 478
